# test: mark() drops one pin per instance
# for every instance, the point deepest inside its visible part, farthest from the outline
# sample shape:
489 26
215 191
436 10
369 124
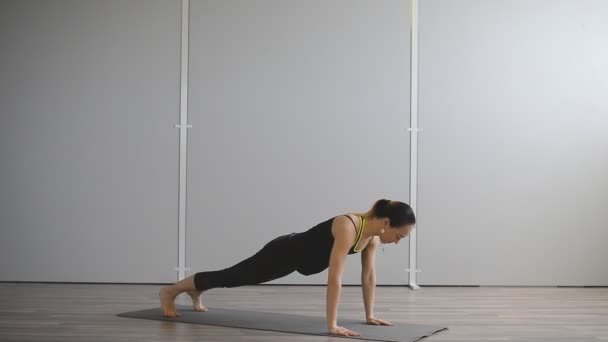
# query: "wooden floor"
82 312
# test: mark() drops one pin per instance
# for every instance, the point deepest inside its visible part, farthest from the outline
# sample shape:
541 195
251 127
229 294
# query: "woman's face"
394 235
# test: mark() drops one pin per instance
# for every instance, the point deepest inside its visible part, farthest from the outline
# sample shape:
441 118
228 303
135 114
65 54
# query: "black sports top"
312 248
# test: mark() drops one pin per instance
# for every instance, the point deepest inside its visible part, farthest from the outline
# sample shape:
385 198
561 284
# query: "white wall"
300 112
89 94
301 107
514 152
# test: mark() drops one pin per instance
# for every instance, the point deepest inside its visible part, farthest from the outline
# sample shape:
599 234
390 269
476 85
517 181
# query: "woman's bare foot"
197 302
167 302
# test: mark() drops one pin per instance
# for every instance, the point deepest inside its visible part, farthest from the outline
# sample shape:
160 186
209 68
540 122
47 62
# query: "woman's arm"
368 277
344 237
368 282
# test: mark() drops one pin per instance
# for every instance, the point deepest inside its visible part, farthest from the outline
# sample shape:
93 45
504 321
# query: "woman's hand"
336 330
377 321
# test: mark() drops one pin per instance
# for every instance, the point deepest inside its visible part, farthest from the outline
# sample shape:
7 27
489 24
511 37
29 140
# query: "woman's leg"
252 271
271 262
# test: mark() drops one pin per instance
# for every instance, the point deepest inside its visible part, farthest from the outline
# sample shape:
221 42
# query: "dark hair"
398 213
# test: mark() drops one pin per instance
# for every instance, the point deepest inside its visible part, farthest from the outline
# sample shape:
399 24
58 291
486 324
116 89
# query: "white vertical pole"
413 135
183 135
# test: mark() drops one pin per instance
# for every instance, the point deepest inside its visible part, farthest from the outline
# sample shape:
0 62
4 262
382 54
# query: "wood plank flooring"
87 312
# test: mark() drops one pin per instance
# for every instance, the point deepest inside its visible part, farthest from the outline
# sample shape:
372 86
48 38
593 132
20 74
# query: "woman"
325 245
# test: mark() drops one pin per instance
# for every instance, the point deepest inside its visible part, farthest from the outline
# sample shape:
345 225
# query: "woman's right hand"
337 330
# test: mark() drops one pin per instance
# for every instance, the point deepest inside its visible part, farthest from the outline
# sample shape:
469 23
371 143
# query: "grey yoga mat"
289 323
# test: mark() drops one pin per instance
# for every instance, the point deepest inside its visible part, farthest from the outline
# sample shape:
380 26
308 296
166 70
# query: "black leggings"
273 261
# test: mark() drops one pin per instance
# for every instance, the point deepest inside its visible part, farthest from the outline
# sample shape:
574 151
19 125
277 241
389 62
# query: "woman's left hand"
377 321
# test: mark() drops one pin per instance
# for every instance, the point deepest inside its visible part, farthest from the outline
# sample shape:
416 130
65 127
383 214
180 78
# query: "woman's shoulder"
350 219
345 225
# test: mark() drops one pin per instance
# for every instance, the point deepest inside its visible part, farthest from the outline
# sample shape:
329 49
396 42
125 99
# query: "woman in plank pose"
325 245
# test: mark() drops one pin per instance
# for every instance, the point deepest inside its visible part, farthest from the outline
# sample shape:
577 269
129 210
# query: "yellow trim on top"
359 234
368 242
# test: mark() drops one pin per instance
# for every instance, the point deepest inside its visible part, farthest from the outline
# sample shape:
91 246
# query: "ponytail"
398 213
